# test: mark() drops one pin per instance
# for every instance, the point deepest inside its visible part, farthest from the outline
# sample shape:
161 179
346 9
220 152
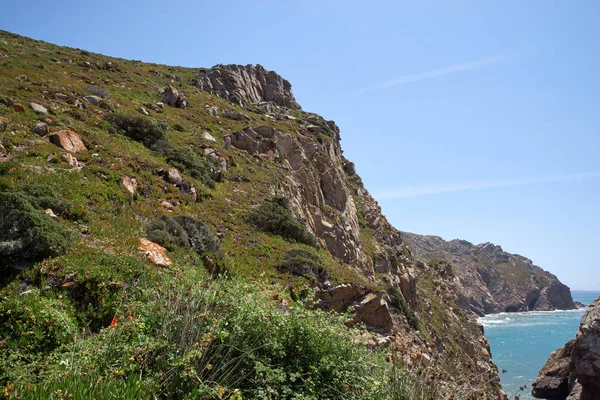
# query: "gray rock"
247 85
174 177
95 100
40 129
214 111
171 97
142 110
38 108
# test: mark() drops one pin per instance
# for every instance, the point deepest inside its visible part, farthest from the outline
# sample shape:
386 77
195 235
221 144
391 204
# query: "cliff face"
247 85
573 372
492 280
153 147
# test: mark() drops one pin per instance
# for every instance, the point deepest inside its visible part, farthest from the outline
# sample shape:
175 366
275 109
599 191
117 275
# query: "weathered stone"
174 177
171 97
107 106
155 253
586 351
142 110
50 213
553 380
40 129
18 107
130 184
214 111
208 136
68 140
69 159
3 151
338 298
95 100
372 310
38 108
247 85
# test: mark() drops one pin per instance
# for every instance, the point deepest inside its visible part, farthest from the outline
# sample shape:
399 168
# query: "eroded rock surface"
573 372
247 85
492 280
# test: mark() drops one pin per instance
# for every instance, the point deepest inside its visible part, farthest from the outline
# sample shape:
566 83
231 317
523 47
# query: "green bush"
138 128
183 231
197 167
34 323
27 234
274 216
305 263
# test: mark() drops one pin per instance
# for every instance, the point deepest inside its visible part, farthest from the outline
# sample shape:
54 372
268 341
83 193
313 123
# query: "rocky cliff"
152 146
491 280
573 372
247 85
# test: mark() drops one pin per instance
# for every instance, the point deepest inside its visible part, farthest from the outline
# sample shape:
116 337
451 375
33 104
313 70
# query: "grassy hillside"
84 313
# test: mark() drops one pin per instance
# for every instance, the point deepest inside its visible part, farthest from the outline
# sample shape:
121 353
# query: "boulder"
68 140
155 253
95 100
174 177
130 184
171 97
372 310
208 136
69 159
40 129
38 108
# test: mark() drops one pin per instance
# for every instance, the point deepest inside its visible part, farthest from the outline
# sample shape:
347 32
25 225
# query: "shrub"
197 167
274 216
305 263
97 91
27 234
183 231
138 128
36 323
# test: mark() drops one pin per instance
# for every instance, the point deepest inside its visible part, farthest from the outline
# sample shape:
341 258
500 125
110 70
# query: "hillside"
492 280
142 253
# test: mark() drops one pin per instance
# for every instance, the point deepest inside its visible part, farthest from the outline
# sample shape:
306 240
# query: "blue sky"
466 119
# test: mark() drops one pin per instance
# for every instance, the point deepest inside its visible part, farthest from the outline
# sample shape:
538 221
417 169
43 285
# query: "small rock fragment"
38 108
50 213
40 129
208 136
142 110
69 159
130 184
174 177
18 107
155 253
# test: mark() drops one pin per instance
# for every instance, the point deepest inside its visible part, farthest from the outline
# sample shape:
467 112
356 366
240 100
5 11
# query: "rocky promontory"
573 372
491 280
247 85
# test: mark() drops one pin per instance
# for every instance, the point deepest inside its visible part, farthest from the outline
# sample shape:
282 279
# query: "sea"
522 342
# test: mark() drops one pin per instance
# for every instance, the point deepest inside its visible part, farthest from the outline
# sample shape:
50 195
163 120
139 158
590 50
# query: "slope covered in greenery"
231 312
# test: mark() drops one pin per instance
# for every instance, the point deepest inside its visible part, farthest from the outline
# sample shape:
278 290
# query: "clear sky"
477 120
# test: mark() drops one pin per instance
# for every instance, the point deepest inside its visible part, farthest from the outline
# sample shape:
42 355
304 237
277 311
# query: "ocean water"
522 342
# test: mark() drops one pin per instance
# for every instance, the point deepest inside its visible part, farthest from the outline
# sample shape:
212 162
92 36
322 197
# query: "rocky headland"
573 372
491 280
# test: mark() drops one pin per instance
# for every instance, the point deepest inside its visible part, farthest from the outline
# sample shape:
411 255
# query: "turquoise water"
522 342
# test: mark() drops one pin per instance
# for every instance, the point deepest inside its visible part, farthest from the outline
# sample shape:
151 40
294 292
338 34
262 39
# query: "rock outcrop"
491 280
573 372
246 85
